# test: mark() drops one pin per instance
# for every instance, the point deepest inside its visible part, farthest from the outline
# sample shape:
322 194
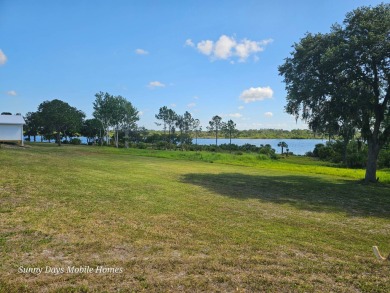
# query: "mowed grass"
296 164
182 225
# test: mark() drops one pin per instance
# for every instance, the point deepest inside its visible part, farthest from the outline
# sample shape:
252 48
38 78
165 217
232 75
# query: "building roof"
12 119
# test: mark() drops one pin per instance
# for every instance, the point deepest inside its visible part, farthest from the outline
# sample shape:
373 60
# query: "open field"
189 225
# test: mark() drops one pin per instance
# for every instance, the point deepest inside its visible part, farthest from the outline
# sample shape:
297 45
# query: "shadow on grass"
302 192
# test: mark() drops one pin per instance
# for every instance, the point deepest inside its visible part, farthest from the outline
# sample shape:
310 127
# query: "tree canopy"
168 118
215 125
115 112
60 118
229 129
339 81
91 129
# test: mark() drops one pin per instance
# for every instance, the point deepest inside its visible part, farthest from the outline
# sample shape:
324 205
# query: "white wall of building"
11 132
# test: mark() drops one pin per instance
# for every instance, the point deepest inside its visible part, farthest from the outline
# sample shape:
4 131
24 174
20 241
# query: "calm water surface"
297 146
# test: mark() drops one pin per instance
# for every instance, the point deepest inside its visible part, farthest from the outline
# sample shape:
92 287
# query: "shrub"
163 145
75 141
384 158
317 149
229 147
326 152
141 145
249 148
356 160
268 151
211 148
262 157
194 147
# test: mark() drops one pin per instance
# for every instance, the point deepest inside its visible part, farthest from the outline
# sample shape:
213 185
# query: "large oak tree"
58 117
341 80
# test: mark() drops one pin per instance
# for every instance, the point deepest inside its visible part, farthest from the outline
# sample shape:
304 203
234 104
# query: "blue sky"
206 57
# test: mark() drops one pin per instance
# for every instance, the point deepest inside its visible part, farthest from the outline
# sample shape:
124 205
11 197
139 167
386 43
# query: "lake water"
297 146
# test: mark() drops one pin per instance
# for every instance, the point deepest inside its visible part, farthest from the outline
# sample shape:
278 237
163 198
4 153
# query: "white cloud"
257 124
141 52
241 107
247 47
232 115
227 47
268 114
173 105
154 84
11 93
191 105
3 58
235 115
256 94
140 113
189 43
196 97
223 47
205 47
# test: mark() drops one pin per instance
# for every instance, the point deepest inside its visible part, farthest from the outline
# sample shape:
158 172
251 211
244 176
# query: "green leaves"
339 82
59 117
115 111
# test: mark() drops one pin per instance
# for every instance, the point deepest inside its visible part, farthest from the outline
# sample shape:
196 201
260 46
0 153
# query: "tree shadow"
302 192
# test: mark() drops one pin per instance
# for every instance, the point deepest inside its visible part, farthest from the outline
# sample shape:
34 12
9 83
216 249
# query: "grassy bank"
296 164
187 224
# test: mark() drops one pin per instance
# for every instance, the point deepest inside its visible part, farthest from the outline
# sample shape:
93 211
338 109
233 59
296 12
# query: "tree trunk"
127 138
59 139
35 138
230 142
345 145
373 152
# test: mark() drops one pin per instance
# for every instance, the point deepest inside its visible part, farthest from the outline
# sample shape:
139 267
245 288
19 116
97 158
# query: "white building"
11 128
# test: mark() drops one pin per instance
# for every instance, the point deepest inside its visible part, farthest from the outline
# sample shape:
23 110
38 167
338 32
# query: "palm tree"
282 144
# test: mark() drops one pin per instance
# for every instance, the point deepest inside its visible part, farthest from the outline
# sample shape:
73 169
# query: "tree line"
338 82
264 133
58 120
115 119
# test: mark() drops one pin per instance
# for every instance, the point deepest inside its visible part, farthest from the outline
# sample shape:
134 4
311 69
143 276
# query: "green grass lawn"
175 222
